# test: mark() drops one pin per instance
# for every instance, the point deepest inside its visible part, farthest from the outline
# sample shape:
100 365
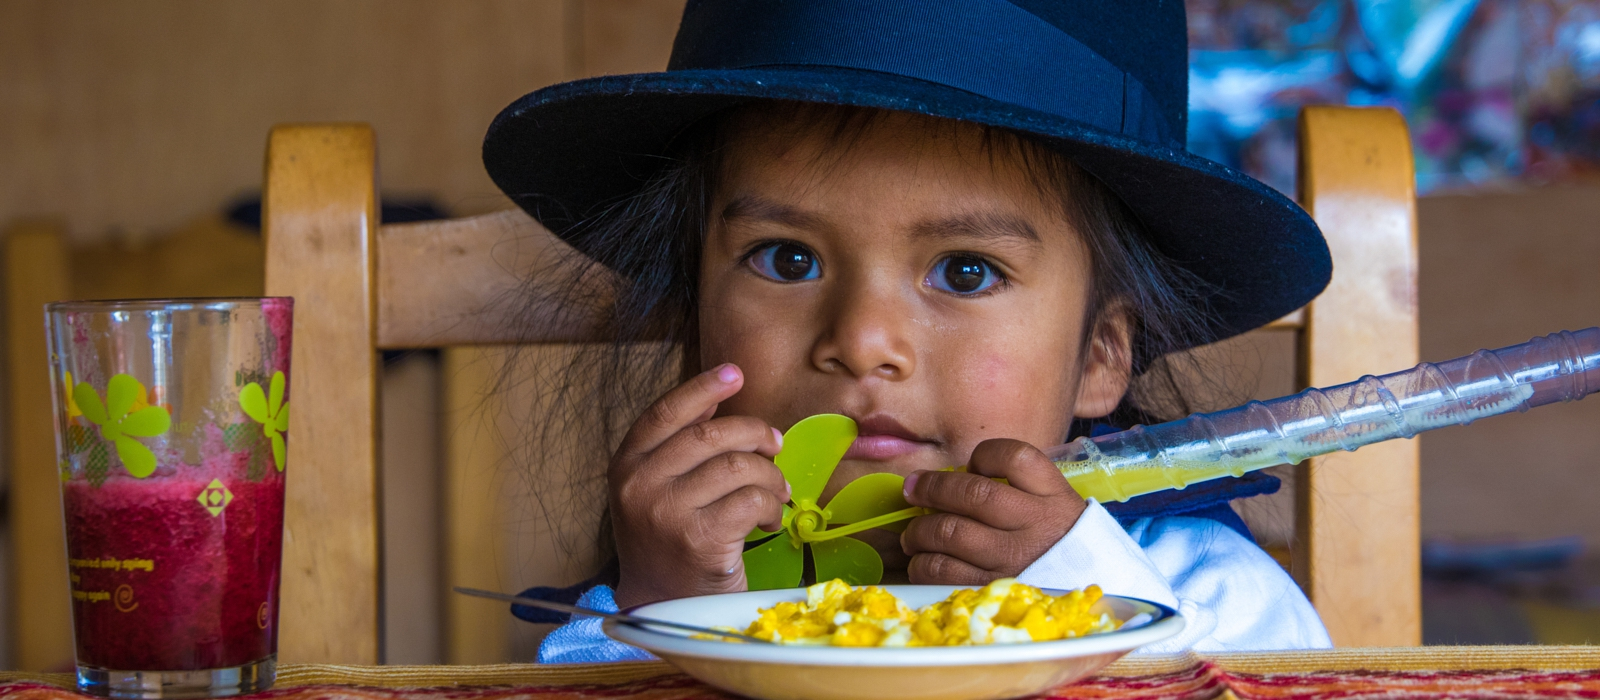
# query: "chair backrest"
208 257
362 288
1357 515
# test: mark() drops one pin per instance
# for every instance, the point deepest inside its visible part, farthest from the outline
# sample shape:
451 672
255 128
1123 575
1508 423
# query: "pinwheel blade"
811 450
758 533
776 564
867 497
852 560
897 526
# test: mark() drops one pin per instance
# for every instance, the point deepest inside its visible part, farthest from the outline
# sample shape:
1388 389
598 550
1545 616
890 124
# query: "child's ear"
1107 364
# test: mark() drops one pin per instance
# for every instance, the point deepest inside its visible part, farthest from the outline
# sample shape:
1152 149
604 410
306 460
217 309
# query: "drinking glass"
171 436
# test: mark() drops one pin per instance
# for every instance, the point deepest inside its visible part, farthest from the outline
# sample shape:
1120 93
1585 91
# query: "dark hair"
634 267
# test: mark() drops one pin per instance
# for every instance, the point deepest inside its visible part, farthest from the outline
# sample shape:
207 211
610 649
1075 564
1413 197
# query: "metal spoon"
643 623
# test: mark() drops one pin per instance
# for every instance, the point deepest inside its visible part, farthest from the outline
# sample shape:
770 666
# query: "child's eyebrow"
981 225
767 210
975 225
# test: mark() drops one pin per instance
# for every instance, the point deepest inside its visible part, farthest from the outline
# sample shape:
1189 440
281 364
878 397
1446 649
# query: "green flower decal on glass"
123 416
811 451
270 411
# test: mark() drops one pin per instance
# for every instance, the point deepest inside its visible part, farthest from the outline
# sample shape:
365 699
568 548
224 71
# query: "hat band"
990 48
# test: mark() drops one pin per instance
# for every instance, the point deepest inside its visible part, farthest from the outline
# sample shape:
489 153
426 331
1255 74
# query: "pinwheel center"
808 522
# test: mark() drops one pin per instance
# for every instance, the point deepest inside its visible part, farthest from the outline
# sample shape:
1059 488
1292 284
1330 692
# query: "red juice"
175 572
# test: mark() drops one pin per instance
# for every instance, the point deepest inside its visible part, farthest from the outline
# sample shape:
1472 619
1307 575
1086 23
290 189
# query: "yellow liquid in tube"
1123 484
1556 368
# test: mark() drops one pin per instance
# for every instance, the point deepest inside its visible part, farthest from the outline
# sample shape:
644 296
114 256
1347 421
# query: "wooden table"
1424 672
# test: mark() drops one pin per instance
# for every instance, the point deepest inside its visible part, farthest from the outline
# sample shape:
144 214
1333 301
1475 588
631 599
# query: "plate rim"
665 644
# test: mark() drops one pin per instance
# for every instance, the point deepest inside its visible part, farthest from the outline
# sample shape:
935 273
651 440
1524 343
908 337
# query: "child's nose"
867 335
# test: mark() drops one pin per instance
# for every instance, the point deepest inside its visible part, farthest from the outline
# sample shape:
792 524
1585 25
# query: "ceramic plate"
773 672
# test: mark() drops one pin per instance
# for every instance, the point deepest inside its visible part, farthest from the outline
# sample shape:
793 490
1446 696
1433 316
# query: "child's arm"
685 489
582 640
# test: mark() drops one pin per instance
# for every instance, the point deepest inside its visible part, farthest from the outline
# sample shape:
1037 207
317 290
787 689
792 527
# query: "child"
967 224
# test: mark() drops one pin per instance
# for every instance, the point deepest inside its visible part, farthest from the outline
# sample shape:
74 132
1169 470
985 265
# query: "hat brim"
564 152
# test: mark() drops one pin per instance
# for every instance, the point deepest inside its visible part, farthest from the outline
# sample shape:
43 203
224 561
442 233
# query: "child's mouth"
883 438
881 447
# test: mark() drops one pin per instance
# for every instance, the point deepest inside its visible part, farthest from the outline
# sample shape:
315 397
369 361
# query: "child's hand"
687 488
987 529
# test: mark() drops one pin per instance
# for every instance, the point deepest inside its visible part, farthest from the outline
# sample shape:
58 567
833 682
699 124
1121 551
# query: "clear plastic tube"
1559 367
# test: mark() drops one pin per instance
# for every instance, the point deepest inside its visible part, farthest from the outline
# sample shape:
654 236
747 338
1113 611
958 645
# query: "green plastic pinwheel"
811 451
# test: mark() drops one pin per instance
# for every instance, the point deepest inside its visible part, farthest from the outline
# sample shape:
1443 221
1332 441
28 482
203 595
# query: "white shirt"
1233 597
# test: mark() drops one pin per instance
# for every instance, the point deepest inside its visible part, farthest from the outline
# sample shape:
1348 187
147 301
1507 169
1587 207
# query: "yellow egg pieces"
1003 612
834 613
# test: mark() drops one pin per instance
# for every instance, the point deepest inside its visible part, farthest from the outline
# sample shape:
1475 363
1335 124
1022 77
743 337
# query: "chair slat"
320 221
36 272
464 282
474 474
1358 553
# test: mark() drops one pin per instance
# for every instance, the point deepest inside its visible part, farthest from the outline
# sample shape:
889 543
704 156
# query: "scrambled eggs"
1003 612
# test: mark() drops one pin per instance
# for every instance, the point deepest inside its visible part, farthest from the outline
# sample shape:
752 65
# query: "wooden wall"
1498 268
137 117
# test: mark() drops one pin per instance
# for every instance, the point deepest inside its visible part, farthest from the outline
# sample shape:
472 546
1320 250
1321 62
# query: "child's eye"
963 274
786 262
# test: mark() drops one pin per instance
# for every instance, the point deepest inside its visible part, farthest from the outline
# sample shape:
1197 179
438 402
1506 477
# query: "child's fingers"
960 537
697 443
717 476
686 404
1020 464
978 497
705 415
935 568
746 508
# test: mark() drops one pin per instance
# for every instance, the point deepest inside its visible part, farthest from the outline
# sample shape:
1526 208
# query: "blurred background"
137 131
1495 91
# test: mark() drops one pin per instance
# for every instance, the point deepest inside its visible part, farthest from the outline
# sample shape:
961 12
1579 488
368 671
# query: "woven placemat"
1404 673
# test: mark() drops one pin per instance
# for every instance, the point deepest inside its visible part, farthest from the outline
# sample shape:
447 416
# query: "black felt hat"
1103 81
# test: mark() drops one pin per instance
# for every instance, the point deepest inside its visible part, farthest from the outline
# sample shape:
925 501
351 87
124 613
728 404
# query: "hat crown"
1104 82
1118 65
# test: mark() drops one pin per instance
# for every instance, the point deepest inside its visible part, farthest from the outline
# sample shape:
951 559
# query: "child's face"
912 280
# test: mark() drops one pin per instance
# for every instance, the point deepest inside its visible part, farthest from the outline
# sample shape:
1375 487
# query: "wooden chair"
1357 515
361 288
208 257
36 272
